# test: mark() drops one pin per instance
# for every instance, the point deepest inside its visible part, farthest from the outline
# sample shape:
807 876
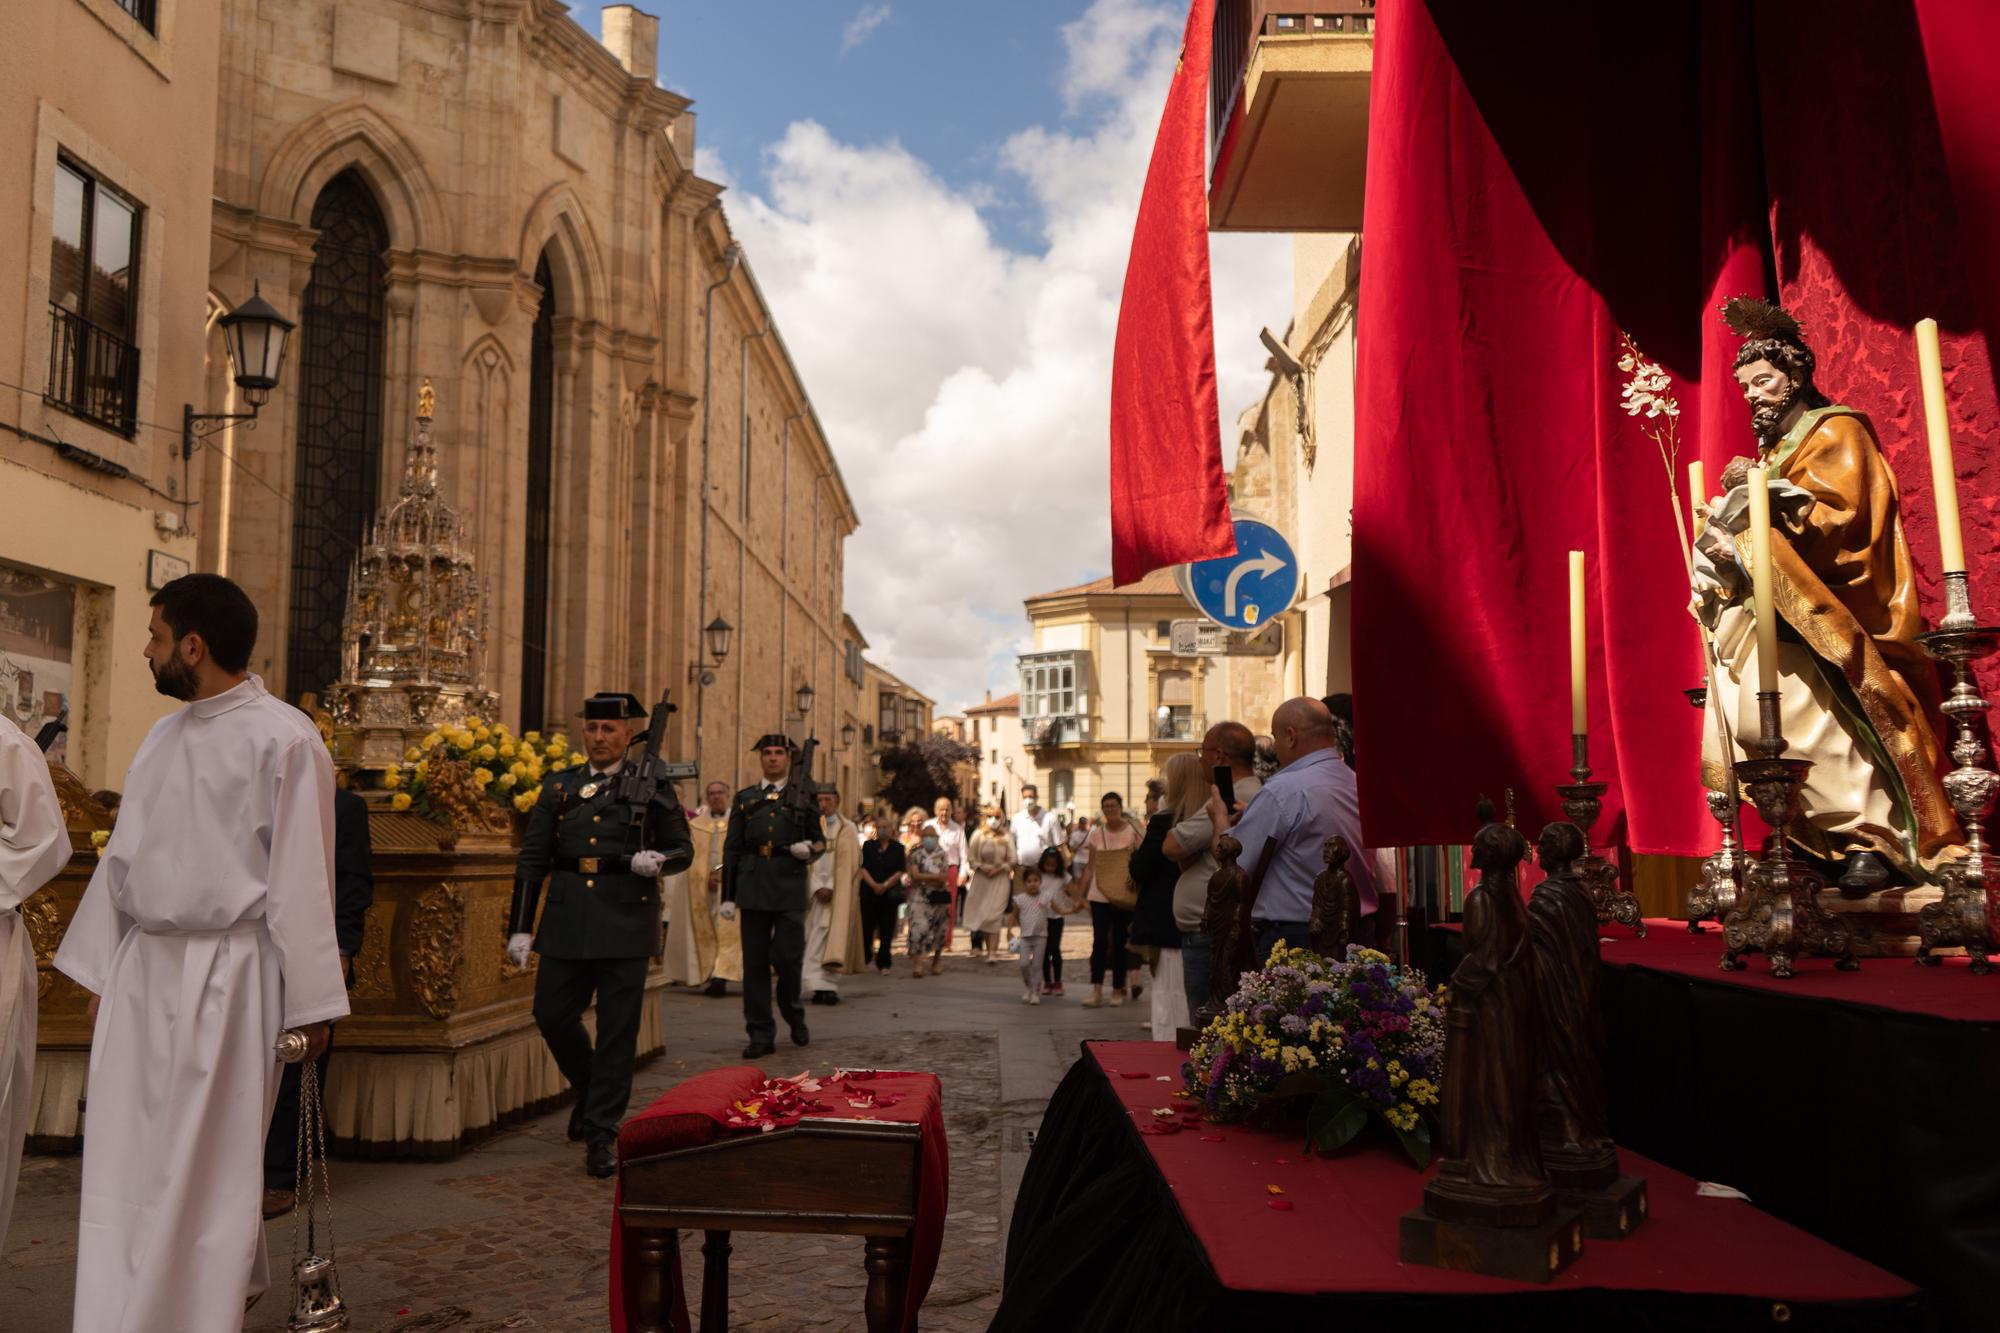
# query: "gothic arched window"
339 448
541 473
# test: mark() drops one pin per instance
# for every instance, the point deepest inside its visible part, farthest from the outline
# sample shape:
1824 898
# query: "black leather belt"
595 865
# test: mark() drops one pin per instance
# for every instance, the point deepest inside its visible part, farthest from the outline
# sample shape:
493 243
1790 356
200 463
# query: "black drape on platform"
1873 1129
1098 1245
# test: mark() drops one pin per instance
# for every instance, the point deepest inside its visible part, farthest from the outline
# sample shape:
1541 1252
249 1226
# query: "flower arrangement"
509 769
1649 393
1363 1039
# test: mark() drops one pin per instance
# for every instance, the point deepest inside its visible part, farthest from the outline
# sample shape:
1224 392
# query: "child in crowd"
1031 906
1060 905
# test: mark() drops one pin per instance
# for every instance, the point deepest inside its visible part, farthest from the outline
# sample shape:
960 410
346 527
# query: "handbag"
937 897
1112 869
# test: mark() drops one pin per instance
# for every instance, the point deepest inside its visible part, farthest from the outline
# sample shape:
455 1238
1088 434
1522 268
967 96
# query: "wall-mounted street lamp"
716 638
804 700
255 336
847 737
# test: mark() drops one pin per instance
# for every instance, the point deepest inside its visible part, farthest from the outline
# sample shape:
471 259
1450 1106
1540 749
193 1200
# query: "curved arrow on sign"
1266 564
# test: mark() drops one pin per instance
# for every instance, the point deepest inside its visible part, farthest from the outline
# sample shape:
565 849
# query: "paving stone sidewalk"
512 1235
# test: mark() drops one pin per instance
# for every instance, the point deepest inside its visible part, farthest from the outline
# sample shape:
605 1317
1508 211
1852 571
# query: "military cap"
609 704
767 741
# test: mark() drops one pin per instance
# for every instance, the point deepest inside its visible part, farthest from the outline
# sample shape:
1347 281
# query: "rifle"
642 778
799 797
53 729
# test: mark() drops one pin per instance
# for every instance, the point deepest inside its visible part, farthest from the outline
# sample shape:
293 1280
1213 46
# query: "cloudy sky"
937 198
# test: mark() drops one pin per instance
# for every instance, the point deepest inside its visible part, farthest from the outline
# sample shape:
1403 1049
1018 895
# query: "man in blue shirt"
1311 798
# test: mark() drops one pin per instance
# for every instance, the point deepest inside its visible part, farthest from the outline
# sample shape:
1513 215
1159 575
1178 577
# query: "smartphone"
1225 782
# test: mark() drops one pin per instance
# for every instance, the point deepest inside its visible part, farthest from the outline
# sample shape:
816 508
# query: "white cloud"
965 384
862 26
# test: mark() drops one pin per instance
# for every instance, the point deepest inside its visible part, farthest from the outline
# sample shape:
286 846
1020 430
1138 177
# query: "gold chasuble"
1857 691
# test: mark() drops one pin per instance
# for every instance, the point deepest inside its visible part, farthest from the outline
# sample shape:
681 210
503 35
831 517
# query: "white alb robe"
206 931
34 847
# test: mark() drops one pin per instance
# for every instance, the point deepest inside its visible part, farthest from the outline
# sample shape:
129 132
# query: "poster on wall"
37 625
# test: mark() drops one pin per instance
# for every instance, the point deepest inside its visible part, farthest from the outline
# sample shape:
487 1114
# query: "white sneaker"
1028 997
1034 998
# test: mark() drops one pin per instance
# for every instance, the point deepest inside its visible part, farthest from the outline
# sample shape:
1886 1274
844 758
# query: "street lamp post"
715 636
255 336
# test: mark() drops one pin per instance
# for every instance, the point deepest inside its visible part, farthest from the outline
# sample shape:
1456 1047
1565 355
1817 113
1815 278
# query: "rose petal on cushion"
1274 1189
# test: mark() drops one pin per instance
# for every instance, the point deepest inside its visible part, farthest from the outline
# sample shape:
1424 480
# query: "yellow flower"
560 738
482 776
462 739
482 733
1423 1092
525 801
488 752
99 837
533 795
517 769
507 781
400 801
554 751
532 737
411 755
392 780
507 750
422 769
474 722
432 741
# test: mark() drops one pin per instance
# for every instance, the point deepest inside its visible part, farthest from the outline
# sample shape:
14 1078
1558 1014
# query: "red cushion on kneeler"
688 1114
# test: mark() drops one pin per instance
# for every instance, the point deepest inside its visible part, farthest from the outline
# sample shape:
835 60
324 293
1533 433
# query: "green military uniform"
599 927
767 883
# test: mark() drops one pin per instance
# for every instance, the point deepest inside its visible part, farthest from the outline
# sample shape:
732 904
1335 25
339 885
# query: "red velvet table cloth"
696 1111
1339 1233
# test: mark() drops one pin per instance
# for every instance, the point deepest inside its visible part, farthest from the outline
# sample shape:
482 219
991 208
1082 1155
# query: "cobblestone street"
513 1235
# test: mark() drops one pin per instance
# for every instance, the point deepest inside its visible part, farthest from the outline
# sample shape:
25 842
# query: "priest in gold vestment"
701 948
1857 693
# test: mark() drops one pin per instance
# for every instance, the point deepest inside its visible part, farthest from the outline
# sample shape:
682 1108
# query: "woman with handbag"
1111 897
928 892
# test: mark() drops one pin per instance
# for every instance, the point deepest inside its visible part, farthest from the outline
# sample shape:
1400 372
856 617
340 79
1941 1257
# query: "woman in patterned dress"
929 898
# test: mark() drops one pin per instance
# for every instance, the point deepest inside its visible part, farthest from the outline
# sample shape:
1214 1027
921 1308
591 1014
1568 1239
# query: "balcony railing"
147 12
92 373
1046 733
1179 727
1238 25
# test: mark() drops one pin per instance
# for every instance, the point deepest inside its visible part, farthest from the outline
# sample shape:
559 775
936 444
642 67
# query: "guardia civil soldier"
602 921
764 860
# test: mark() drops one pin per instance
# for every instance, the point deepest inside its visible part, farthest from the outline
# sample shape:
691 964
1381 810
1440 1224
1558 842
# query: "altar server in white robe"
207 930
34 846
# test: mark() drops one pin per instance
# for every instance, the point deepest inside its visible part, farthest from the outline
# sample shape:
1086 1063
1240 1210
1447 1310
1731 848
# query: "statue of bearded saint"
1856 691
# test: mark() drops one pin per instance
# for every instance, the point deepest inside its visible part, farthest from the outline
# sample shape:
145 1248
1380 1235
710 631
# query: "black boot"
1864 873
715 989
757 1049
576 1117
599 1160
799 1034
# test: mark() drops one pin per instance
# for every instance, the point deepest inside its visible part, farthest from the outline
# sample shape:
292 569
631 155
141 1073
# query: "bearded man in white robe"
34 846
206 931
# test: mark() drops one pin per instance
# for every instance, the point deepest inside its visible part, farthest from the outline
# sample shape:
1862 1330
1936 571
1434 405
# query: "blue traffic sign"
1250 588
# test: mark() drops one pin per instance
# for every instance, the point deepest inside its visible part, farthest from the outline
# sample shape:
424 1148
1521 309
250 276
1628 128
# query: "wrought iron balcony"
1288 114
92 373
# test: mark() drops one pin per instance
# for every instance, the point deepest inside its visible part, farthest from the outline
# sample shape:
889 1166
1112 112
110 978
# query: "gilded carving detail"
372 977
44 922
437 930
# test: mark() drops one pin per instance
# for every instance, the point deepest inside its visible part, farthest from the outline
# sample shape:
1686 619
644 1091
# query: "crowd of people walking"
1019 887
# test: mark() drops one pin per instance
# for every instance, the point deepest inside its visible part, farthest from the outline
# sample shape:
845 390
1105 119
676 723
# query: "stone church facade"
481 192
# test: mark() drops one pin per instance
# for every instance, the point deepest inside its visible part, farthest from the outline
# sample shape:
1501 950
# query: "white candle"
1937 426
1578 723
1698 494
1760 576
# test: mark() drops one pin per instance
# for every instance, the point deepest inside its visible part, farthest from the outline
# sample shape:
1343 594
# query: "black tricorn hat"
613 705
770 739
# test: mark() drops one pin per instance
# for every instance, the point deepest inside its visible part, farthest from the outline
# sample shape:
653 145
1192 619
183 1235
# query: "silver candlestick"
1778 910
1965 916
1582 801
1714 894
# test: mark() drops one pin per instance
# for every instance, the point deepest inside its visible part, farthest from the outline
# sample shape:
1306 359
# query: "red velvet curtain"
1538 182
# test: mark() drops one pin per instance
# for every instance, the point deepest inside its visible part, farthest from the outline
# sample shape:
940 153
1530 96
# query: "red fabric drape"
1532 190
1169 498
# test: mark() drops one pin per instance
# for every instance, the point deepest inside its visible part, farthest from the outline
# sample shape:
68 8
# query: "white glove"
646 864
517 948
727 911
802 850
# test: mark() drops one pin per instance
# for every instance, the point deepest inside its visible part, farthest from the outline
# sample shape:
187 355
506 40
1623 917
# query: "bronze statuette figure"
1336 907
